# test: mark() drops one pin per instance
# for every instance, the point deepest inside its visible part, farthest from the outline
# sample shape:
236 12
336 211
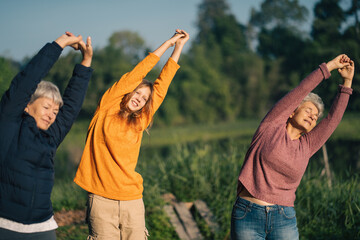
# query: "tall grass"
328 213
208 169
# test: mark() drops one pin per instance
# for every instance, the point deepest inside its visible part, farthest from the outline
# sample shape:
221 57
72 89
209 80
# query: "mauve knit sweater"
275 164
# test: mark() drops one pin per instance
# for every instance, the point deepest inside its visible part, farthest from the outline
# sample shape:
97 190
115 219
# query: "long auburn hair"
131 117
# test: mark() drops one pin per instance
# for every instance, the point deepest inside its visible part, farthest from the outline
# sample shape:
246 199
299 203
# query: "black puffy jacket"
26 152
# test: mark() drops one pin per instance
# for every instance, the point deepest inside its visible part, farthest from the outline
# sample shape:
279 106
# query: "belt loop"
249 205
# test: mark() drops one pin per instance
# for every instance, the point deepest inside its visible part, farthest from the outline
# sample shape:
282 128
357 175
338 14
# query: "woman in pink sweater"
279 153
107 168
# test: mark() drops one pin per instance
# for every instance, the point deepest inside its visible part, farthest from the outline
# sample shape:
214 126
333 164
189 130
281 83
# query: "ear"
27 108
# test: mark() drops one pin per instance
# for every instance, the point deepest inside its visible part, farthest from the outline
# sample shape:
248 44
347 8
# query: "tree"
353 12
219 56
280 43
8 69
328 18
287 14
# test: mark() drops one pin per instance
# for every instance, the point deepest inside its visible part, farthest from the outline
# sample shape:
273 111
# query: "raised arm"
179 45
285 106
131 80
347 74
339 62
69 39
75 92
321 133
171 42
25 82
162 83
85 48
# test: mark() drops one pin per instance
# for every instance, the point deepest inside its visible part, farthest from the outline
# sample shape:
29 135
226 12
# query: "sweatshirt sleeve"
161 86
73 99
15 99
322 132
162 83
287 105
127 83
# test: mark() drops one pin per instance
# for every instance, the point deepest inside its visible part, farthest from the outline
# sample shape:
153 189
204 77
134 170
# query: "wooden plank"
206 214
179 229
188 221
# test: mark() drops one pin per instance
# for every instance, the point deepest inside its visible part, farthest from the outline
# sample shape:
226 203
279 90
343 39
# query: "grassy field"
203 162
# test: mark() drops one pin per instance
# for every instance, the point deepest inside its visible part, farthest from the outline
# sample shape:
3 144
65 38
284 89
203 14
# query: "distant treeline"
231 70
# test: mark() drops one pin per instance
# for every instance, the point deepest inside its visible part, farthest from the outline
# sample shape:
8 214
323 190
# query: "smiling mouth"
134 103
307 121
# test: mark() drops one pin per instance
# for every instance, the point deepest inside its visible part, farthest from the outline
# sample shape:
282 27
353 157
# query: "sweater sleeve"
161 86
287 105
162 83
73 99
127 83
15 99
321 133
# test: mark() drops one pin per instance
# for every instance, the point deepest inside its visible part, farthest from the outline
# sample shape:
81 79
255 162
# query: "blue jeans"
250 221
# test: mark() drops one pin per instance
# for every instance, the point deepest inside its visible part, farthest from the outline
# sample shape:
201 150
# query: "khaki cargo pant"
112 219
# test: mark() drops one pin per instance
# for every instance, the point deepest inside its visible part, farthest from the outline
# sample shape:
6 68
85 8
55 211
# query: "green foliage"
73 232
205 170
157 222
209 170
7 73
205 163
281 13
329 17
328 213
66 195
222 78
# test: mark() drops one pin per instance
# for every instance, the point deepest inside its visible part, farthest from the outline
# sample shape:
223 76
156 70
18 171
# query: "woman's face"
44 110
139 98
305 117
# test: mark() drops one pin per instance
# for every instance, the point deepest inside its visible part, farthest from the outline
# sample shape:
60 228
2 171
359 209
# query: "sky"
26 25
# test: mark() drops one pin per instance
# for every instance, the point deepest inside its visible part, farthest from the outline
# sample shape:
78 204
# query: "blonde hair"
48 90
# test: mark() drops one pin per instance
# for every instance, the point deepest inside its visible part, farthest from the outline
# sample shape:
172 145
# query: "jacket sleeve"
24 84
287 105
73 99
127 83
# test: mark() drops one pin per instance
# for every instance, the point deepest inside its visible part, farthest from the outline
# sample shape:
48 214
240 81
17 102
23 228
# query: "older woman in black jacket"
34 120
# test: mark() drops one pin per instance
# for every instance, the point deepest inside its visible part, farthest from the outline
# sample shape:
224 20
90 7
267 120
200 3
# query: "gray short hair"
316 100
48 90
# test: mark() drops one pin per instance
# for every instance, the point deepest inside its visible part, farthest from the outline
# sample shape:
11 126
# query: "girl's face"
44 110
305 117
139 98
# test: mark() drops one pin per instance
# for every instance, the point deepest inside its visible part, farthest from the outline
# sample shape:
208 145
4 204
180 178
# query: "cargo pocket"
91 238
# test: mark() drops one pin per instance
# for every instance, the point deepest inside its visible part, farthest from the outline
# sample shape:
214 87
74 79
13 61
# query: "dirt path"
65 218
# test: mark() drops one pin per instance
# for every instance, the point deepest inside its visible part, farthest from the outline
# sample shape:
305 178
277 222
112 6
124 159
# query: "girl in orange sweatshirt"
107 168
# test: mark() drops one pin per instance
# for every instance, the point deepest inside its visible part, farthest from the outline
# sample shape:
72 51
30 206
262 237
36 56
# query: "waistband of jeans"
254 205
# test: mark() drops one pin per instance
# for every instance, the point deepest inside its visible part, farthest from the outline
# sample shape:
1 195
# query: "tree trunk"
327 166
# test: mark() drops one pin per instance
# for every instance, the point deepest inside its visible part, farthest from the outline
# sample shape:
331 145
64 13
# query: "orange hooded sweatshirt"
107 166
